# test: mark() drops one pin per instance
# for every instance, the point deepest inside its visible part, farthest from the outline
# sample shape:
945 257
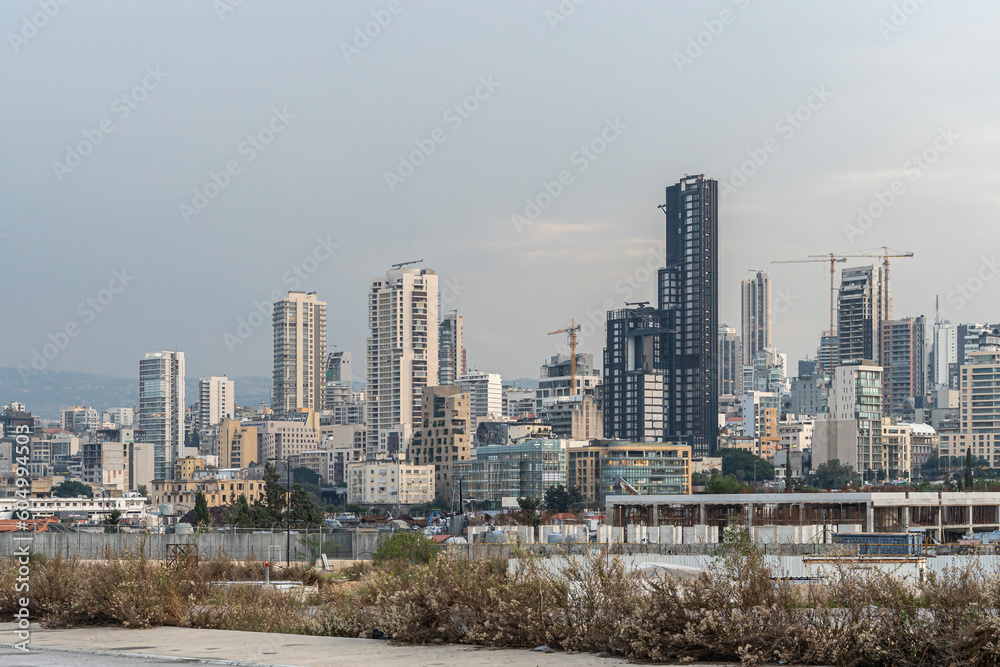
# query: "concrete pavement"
258 648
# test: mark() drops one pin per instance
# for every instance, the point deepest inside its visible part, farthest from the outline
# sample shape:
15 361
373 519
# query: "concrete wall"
239 546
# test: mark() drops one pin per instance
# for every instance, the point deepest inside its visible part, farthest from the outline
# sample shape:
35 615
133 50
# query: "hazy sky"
115 113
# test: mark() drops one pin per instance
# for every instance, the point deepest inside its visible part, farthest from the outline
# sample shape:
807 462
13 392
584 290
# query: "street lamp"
288 508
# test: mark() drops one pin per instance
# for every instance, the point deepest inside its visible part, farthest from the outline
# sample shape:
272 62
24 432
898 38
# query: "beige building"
796 435
897 450
218 492
299 353
237 444
188 467
443 436
403 347
389 483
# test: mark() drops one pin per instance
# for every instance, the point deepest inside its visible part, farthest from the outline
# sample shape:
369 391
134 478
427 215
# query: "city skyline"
798 176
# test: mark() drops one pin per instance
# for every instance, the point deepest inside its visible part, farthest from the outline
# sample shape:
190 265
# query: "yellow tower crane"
571 332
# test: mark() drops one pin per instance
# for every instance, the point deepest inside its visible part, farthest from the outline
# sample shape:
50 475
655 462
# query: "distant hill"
526 383
46 393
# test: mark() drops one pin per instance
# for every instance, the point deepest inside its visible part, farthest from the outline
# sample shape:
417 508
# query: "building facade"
443 436
524 469
637 365
161 407
237 444
861 309
851 430
730 362
299 375
688 292
451 349
756 315
485 392
216 400
389 483
903 365
403 346
979 411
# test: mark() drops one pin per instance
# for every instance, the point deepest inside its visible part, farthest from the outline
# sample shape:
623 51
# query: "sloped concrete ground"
79 646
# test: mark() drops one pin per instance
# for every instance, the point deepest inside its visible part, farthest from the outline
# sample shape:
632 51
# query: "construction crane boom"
886 254
834 260
571 332
402 264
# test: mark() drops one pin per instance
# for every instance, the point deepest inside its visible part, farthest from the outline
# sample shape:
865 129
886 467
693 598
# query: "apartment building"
299 323
390 483
443 436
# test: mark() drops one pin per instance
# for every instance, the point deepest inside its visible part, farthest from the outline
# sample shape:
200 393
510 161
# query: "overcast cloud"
291 129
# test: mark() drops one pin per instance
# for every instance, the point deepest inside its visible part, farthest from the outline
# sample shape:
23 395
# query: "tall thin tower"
689 298
299 353
403 343
161 408
756 316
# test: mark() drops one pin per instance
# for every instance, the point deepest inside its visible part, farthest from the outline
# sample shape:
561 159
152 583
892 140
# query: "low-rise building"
132 507
218 491
389 483
649 468
524 469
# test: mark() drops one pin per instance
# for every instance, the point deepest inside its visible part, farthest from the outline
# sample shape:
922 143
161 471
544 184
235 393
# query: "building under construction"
943 516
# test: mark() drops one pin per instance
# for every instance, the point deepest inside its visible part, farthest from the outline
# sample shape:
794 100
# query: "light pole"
288 509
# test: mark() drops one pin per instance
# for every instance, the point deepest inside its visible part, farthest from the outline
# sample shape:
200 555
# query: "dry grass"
737 613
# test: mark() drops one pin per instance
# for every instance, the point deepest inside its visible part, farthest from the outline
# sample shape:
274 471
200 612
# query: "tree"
72 489
304 508
192 439
833 475
112 520
305 475
724 484
238 513
700 478
753 467
274 493
529 510
559 499
142 490
202 517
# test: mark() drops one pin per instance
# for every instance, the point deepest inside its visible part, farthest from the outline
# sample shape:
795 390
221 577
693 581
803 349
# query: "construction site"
942 517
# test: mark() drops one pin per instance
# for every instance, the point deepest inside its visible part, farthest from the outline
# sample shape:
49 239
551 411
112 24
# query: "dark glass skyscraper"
636 373
689 298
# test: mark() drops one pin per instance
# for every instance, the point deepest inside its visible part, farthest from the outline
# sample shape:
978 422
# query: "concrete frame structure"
945 516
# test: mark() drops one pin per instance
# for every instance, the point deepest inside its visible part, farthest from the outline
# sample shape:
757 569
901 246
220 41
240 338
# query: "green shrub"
411 548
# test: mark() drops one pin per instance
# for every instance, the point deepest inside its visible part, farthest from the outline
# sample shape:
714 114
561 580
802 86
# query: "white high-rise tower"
161 408
299 353
402 350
